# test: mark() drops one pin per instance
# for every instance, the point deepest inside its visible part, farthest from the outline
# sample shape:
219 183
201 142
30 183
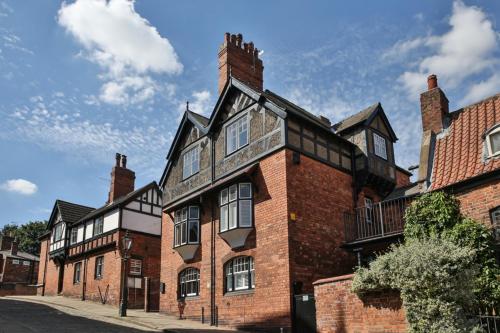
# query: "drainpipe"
84 284
45 266
212 238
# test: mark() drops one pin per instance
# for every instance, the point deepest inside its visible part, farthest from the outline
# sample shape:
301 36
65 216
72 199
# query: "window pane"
232 215
232 192
193 231
243 132
231 138
245 213
380 146
495 142
245 191
223 218
194 212
183 233
177 234
223 196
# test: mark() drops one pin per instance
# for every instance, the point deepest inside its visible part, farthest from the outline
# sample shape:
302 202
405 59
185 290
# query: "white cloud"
200 103
20 186
482 89
465 50
124 44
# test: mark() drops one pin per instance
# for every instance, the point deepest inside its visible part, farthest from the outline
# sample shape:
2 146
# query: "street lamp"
126 245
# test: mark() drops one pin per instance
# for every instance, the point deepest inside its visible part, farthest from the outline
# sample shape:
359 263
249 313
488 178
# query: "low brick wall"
338 310
18 289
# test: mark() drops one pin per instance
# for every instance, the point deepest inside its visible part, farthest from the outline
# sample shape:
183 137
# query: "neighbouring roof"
199 118
409 190
20 255
71 212
118 202
357 118
459 152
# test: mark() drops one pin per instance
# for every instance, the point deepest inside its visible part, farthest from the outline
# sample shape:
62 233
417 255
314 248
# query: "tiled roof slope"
356 118
71 212
459 152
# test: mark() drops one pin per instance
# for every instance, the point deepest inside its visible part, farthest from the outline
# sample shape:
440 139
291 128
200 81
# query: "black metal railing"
380 219
489 321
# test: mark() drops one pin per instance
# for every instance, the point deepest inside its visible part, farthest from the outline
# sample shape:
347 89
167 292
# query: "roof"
459 152
409 190
202 120
20 255
357 118
70 212
118 202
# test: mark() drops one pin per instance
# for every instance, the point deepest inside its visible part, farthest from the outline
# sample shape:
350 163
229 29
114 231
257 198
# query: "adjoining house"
256 197
18 269
82 255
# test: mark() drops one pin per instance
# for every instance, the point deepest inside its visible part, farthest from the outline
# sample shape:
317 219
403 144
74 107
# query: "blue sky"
82 80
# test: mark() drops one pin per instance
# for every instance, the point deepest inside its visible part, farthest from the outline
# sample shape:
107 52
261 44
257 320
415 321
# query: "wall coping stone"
334 279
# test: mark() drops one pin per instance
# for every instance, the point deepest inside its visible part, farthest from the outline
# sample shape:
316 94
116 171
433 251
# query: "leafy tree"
437 215
27 235
435 278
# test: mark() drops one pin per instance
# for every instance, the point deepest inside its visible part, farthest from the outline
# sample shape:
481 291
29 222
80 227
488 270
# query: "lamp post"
126 245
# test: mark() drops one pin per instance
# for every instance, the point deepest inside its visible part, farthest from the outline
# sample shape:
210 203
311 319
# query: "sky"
81 80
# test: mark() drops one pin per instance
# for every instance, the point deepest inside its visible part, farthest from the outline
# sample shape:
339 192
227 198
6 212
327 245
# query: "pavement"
60 314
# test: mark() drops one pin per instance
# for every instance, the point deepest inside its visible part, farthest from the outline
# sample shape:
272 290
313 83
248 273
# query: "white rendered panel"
111 220
90 230
146 208
154 196
150 196
79 235
134 205
157 211
141 222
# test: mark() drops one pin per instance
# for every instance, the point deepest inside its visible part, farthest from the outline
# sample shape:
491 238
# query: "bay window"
187 226
189 282
236 207
239 274
236 135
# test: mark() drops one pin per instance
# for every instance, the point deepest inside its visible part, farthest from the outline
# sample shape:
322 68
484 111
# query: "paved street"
33 314
25 317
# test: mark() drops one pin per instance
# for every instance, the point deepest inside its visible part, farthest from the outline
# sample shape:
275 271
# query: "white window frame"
379 146
184 218
77 277
99 267
189 276
237 126
98 222
26 263
239 269
191 162
135 266
15 261
495 220
494 131
58 232
368 210
231 201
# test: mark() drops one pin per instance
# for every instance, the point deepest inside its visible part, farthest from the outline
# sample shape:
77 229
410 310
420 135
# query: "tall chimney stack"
13 247
122 179
433 106
240 60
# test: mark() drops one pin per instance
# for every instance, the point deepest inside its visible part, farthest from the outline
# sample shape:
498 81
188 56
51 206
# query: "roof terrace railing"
382 219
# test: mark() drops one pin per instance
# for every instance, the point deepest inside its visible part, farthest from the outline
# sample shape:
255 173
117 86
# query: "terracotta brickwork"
402 179
477 202
338 310
19 273
268 305
318 195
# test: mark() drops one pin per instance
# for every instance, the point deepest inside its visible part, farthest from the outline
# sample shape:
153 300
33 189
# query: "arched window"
239 274
189 282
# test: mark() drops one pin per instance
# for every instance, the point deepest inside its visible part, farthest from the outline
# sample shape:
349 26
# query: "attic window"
380 146
191 163
236 135
493 141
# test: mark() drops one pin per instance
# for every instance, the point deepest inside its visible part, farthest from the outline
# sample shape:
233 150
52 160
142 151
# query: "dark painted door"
304 313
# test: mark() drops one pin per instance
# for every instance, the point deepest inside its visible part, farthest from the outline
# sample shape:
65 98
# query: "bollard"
202 315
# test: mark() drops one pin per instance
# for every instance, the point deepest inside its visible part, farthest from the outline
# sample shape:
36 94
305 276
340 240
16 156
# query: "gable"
379 124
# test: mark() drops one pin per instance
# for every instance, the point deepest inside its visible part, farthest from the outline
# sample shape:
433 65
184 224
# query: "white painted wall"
111 220
134 205
157 210
79 237
141 222
89 230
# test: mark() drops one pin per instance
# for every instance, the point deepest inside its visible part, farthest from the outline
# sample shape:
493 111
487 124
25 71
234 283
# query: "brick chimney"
122 179
240 60
13 247
5 242
433 106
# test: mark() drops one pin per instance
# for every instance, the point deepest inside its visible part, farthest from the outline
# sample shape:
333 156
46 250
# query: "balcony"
382 220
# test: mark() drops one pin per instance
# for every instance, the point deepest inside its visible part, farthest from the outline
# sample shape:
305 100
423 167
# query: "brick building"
81 253
256 198
16 266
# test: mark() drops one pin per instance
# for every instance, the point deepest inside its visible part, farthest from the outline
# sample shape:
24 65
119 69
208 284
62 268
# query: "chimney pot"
122 179
118 158
227 37
233 39
432 82
124 161
239 39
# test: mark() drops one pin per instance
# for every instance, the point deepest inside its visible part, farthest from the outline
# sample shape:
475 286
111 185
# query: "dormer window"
493 141
58 232
380 146
191 162
237 135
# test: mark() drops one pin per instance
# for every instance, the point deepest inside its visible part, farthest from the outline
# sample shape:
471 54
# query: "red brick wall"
338 310
269 304
402 179
477 202
19 272
319 195
10 289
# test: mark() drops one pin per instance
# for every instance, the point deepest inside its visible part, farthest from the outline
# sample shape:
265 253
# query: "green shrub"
436 279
